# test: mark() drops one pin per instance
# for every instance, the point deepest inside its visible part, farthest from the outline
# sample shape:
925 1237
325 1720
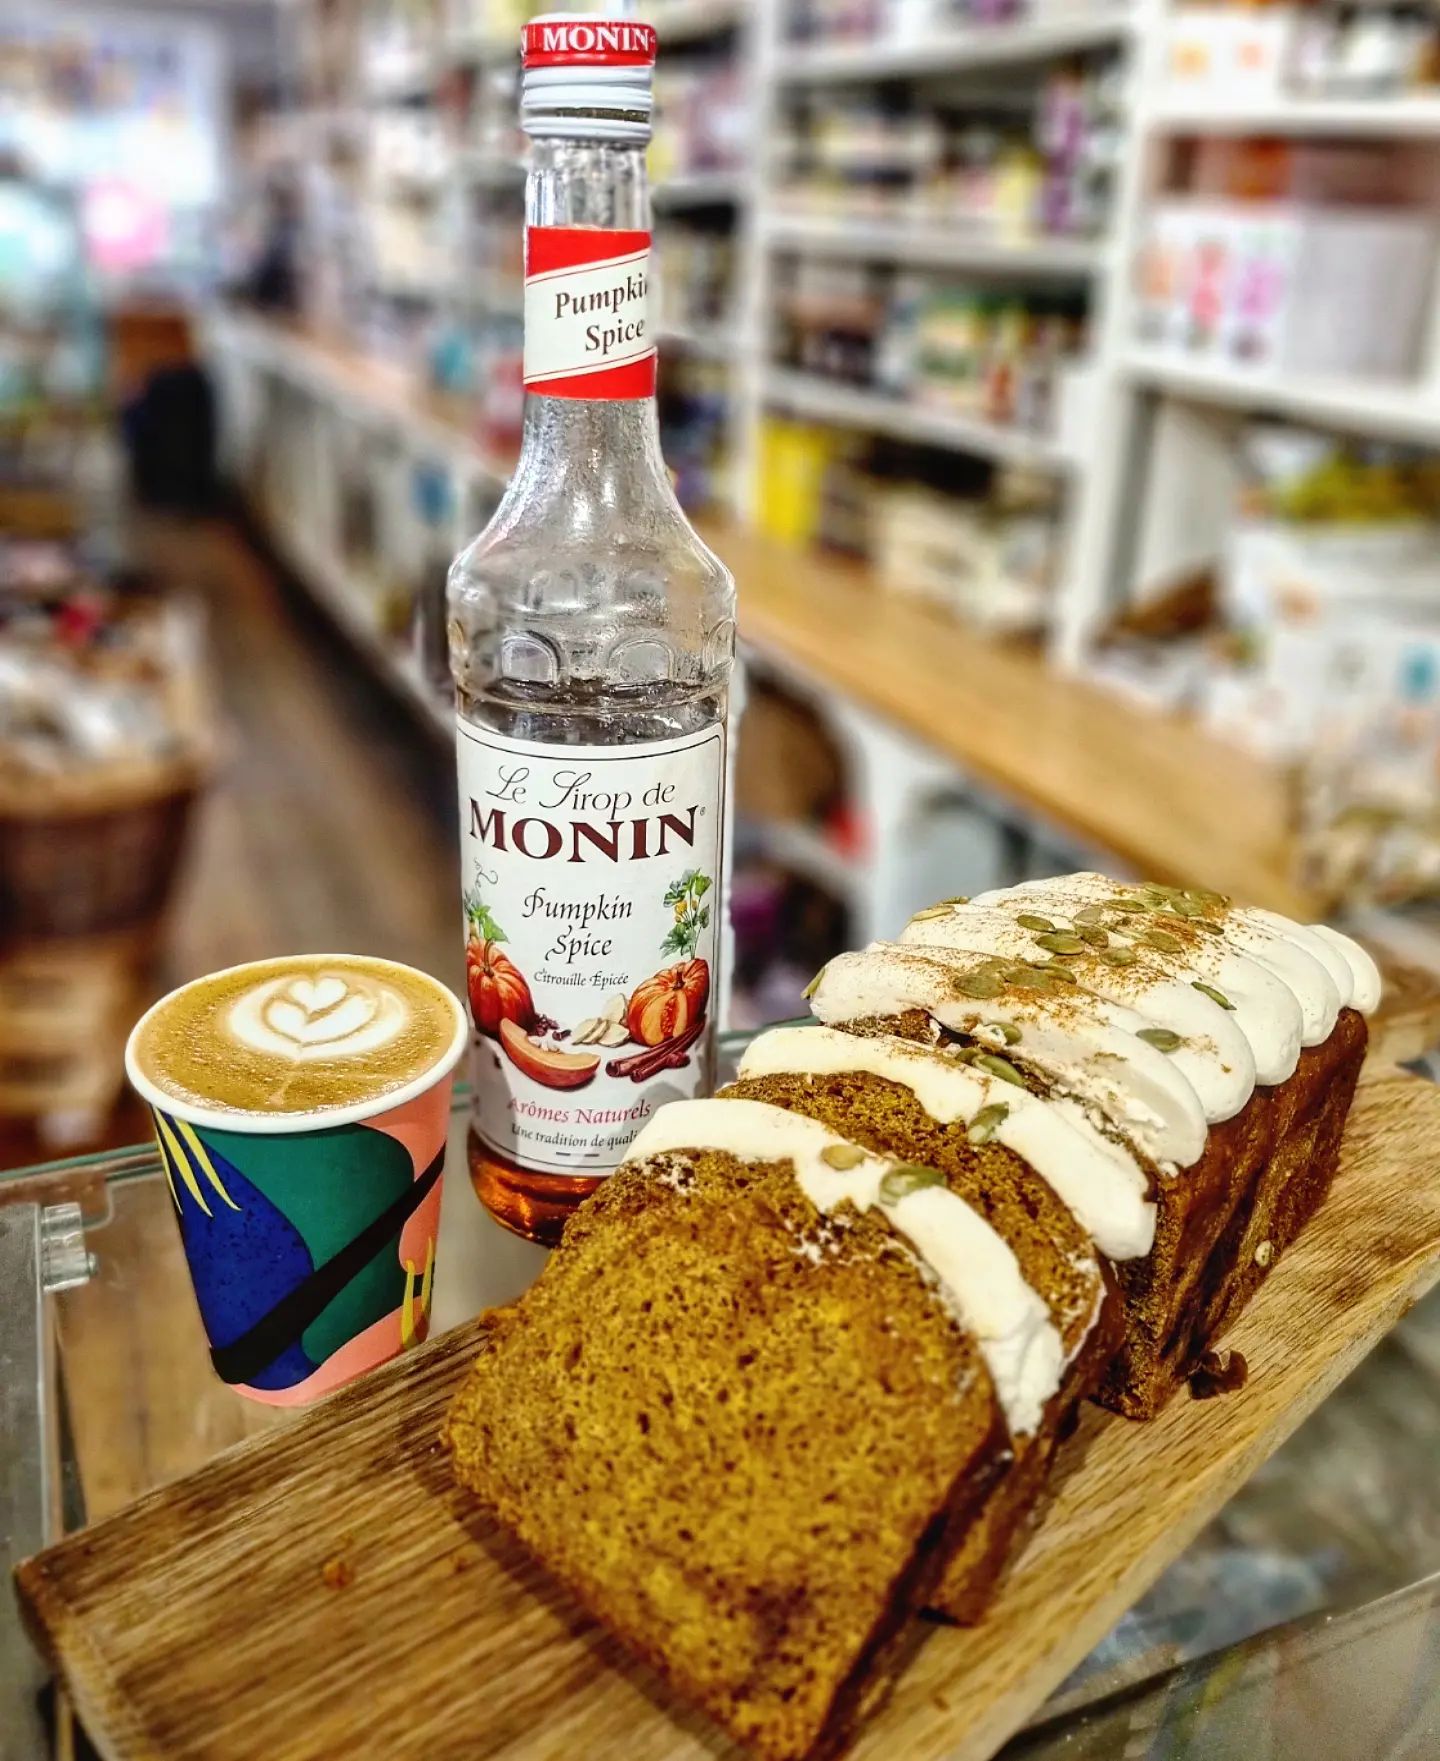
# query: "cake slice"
742 1414
924 1105
1214 1049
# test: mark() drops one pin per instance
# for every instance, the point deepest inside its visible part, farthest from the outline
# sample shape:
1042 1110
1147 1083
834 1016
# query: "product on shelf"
964 348
1045 167
1287 287
1331 597
1328 49
694 408
899 22
979 543
696 280
1026 1150
702 110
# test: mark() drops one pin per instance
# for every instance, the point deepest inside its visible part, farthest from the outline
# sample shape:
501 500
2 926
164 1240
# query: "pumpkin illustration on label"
494 984
672 1002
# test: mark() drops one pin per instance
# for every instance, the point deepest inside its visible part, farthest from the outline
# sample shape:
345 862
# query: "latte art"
297 1036
307 1018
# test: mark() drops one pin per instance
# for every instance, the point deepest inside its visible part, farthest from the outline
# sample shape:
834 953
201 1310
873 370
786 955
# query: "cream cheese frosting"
1266 1010
1215 1055
1227 995
1098 1179
1089 1047
974 1268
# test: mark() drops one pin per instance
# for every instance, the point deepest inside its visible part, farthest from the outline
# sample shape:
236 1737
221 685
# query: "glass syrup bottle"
591 641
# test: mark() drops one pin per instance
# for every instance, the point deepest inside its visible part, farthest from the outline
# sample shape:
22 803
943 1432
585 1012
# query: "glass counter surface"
1302 1624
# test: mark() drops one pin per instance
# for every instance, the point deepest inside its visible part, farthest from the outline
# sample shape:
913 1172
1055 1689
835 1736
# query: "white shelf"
385 399
809 395
1376 407
941 243
689 21
700 189
944 52
715 344
1374 118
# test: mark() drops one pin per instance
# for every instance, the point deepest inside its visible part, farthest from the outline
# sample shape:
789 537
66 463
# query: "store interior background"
1061 380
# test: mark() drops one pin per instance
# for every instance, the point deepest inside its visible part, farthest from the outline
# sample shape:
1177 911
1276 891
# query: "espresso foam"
296 1035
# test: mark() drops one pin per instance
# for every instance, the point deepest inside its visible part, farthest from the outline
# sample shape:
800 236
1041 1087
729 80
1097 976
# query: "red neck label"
587 312
588 42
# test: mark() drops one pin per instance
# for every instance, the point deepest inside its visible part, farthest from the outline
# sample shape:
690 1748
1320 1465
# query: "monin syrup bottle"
591 639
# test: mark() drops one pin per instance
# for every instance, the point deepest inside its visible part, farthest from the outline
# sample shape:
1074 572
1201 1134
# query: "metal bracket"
65 1260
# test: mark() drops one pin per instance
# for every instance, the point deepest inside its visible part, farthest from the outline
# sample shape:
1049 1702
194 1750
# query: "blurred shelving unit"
932 244
1396 118
835 214
905 419
948 50
1375 407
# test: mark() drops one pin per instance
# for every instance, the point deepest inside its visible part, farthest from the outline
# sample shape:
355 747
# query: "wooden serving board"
324 1590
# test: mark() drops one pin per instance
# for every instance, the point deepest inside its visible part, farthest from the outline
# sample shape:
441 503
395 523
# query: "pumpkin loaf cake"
741 1414
894 1096
799 1368
1207 1052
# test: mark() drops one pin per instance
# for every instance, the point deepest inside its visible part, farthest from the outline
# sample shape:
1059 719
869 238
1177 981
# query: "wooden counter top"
1156 792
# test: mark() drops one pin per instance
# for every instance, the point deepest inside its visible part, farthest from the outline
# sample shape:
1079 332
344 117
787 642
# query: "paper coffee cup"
310 1236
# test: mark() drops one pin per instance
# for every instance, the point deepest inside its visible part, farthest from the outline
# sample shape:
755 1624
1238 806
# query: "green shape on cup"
328 1184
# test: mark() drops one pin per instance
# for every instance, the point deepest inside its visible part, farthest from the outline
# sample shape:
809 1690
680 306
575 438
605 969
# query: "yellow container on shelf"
793 460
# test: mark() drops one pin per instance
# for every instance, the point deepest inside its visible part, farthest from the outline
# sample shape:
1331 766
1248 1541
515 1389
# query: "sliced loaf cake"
742 1414
799 1368
897 1097
1212 1051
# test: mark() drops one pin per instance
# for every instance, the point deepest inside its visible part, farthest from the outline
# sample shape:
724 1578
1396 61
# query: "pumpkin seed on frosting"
997 1066
907 1177
987 1122
842 1155
1060 941
1164 1039
1029 920
1208 990
979 984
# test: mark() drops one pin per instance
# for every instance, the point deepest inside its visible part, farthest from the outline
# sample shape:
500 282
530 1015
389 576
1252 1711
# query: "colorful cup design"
311 1241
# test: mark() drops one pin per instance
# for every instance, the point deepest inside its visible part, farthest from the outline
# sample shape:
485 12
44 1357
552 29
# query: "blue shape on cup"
299 1251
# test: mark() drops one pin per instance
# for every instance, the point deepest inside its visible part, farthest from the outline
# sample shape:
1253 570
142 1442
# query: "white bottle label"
591 915
587 312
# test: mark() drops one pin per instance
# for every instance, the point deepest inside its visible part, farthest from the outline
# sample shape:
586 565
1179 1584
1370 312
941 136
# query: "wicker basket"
85 877
94 858
88 862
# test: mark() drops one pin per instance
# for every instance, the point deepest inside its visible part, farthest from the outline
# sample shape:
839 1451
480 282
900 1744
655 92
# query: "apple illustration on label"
552 1069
